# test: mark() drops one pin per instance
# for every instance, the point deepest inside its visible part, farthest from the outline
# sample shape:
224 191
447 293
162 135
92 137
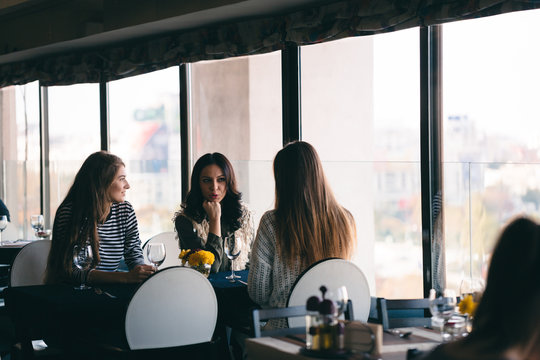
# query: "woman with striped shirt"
95 213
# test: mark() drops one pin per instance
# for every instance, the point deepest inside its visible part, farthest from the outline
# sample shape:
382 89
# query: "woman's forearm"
135 275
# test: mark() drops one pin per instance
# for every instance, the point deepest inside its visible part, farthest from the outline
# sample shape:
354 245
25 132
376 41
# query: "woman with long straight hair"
307 225
212 211
95 213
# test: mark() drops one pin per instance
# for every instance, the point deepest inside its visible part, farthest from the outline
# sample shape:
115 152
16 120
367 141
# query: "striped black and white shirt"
118 237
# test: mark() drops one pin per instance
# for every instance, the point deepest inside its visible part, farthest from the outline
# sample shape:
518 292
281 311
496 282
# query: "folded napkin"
361 337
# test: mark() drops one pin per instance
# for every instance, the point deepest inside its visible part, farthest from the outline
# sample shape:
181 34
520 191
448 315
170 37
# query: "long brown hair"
89 200
509 312
311 224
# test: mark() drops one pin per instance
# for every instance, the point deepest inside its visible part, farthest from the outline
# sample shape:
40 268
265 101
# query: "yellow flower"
467 305
196 257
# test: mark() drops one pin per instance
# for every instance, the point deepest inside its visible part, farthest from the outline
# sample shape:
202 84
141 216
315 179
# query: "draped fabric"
253 36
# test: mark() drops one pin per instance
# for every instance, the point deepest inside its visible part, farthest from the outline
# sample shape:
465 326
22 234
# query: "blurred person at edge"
506 325
95 213
4 210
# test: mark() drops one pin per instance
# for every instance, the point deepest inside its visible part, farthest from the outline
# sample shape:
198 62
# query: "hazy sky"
491 74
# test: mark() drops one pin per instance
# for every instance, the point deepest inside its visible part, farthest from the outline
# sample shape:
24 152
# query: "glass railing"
480 198
384 198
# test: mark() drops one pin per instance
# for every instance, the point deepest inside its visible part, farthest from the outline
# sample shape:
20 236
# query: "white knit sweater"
270 279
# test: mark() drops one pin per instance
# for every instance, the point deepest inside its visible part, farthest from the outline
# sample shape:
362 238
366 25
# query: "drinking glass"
155 252
442 307
37 222
3 225
340 297
229 246
471 286
82 259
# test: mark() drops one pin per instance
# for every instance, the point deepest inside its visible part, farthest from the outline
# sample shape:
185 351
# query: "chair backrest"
374 313
30 263
171 248
332 273
174 307
294 312
259 315
396 313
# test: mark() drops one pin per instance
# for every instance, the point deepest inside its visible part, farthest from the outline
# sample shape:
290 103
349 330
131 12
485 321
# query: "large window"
236 110
74 132
145 133
491 134
360 109
20 155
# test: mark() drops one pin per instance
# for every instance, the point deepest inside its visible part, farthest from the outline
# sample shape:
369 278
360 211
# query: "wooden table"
394 347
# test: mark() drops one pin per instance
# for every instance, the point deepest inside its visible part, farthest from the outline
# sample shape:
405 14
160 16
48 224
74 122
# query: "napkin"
361 337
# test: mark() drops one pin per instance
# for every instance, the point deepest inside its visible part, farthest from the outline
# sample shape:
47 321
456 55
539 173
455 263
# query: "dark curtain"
254 36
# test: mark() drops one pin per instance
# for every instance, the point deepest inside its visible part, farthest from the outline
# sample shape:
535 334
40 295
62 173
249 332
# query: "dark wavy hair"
509 312
231 208
89 199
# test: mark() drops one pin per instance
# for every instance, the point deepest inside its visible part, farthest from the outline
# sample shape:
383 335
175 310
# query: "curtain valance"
326 22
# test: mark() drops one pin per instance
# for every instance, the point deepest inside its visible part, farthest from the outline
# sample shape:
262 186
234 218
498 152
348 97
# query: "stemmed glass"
82 259
155 253
442 307
340 297
232 252
472 287
3 225
37 222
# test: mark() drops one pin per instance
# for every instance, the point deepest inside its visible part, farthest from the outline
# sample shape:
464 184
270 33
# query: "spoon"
99 292
396 332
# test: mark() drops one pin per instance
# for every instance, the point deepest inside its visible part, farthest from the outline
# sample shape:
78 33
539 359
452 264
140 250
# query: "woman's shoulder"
268 219
124 205
65 209
459 350
181 215
269 215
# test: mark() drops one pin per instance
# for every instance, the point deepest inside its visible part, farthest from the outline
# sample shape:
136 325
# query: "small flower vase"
203 269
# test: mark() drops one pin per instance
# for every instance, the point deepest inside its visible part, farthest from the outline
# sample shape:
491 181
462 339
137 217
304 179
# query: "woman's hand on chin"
213 209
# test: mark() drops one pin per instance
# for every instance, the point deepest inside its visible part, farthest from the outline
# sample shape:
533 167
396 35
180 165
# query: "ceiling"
35 28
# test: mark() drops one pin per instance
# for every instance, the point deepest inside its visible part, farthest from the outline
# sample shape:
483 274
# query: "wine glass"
3 225
340 297
156 254
470 291
442 306
82 259
471 286
37 222
229 246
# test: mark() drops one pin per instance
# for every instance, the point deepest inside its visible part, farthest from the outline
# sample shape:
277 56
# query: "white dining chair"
172 248
332 273
30 263
177 306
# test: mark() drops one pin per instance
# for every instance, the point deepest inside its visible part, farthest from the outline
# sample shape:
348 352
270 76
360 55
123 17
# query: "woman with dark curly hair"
212 211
